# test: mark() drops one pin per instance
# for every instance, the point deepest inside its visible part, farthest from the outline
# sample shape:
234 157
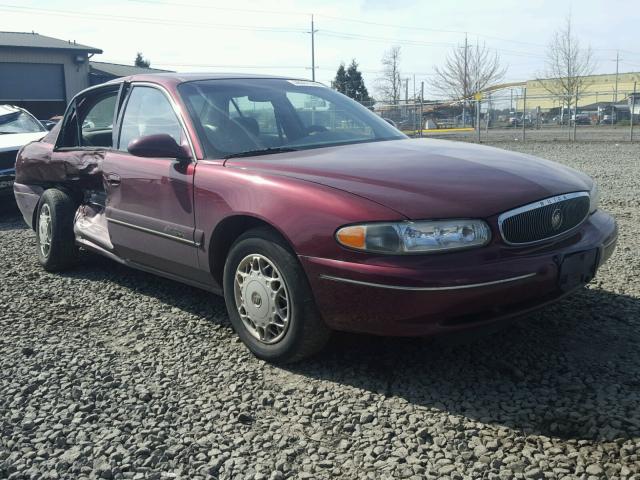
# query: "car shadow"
569 371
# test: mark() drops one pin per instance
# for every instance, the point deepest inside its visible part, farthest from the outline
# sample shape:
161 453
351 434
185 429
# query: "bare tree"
568 65
467 70
389 85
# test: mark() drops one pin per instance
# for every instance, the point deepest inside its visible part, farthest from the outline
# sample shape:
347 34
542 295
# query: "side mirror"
160 145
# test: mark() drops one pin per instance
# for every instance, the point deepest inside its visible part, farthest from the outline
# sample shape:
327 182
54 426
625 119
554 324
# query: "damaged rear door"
149 205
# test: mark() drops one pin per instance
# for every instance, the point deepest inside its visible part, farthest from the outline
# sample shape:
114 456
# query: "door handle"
113 179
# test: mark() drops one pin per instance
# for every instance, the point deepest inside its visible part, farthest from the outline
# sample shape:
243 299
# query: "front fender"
307 214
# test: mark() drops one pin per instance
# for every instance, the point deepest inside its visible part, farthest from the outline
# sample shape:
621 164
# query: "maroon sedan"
305 210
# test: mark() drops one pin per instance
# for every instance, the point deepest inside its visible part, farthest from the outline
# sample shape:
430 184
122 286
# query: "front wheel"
269 300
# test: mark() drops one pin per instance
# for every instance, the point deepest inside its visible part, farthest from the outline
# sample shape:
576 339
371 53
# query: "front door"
149 204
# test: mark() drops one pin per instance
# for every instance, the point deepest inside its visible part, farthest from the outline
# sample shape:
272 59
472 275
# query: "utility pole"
313 51
632 110
615 97
422 109
465 87
414 87
524 111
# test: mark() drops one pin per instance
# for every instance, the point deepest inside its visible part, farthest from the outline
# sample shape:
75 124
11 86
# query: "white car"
17 128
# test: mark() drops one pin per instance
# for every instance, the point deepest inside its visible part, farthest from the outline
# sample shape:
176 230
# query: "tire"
57 209
304 333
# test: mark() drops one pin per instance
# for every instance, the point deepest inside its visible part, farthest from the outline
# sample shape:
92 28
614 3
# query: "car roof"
171 78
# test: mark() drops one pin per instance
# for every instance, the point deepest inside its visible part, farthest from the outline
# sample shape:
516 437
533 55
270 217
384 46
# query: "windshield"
19 122
255 116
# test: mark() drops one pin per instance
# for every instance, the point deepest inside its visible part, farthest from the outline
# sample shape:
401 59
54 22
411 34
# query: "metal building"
42 73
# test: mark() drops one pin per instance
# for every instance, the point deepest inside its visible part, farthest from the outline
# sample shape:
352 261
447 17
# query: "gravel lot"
111 373
547 133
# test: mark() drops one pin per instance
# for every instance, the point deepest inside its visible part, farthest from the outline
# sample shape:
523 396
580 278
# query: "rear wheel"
54 231
269 300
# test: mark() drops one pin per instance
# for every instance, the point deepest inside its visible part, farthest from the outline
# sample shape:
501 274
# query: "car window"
319 114
236 116
97 122
262 112
148 112
19 122
100 116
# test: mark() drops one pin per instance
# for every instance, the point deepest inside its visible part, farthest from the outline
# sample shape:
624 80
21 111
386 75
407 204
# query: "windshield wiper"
263 151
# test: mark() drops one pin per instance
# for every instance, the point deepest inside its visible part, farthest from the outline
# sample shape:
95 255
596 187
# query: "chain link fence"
511 115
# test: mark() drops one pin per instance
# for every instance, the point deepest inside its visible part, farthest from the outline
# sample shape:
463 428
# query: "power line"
147 20
265 28
420 43
228 9
173 22
330 17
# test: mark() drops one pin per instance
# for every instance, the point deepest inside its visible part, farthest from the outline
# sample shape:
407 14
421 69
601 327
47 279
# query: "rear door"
149 204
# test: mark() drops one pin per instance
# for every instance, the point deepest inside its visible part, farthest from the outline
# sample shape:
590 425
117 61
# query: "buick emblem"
556 219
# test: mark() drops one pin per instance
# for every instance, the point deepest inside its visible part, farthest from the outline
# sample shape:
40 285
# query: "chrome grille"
544 219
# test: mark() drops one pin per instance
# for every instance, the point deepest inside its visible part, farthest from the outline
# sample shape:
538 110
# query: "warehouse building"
605 90
42 73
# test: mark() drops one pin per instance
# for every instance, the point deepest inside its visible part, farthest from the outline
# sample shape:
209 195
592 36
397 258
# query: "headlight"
415 237
594 198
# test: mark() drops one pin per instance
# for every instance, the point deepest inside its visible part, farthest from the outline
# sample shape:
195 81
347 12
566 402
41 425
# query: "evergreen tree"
355 87
340 82
141 61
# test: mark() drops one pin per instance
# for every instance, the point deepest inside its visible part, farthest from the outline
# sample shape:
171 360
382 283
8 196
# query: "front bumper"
448 292
6 181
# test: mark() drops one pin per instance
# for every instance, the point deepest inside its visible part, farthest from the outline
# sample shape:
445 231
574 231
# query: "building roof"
119 70
35 40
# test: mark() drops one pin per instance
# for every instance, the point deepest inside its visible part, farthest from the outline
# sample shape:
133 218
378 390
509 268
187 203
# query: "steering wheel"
311 129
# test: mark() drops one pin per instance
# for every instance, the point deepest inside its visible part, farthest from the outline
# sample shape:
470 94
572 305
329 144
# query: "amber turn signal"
353 236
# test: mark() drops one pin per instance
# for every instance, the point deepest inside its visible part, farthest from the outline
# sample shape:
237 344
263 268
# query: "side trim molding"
427 289
154 232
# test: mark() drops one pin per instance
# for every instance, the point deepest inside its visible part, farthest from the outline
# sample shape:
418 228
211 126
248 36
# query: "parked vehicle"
517 120
608 120
306 211
581 119
17 127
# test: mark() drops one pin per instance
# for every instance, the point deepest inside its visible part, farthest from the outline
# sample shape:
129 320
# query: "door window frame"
174 107
98 92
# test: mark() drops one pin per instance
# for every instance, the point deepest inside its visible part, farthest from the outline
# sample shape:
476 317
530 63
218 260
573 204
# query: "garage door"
31 81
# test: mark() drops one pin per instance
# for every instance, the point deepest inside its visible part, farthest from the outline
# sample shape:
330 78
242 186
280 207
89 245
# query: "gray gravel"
547 133
110 373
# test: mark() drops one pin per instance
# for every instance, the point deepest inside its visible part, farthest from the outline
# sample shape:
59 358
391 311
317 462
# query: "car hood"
13 141
427 178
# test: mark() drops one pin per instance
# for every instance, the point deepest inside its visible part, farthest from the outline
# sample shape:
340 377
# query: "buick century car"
308 212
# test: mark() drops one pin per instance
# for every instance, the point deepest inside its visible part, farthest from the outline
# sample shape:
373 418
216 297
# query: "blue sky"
271 36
